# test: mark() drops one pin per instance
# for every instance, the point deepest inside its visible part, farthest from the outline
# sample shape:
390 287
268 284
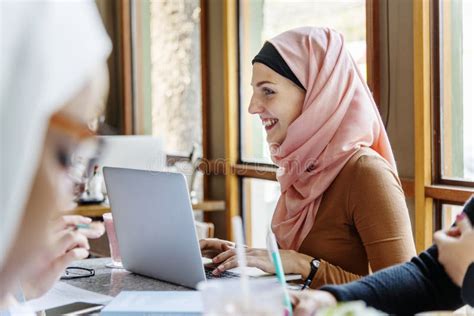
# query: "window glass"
167 78
260 198
448 215
176 73
457 93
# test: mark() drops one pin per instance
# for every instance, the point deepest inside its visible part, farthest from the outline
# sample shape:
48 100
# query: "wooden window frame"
127 29
431 189
443 190
372 9
438 104
117 20
126 17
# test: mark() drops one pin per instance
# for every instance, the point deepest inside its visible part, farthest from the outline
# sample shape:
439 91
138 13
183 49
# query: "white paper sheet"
156 303
62 294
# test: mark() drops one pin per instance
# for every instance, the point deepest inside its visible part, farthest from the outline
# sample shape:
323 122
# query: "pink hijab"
339 117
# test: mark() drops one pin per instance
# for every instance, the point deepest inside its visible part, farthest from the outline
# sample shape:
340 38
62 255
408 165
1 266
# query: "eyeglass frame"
85 141
69 277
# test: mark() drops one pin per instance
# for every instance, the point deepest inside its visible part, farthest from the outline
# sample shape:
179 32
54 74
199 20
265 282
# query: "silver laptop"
154 223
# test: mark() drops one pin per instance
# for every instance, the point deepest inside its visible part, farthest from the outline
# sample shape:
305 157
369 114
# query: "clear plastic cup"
225 298
113 243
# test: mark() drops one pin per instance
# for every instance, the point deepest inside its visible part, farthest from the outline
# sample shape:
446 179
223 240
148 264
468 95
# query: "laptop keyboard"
223 275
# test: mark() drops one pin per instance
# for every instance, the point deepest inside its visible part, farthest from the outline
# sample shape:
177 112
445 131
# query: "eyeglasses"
77 273
77 148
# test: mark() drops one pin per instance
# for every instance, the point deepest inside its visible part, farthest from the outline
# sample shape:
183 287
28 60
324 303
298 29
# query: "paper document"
62 294
155 303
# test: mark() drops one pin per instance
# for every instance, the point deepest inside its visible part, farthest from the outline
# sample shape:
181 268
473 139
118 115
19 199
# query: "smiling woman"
336 167
263 19
258 21
277 101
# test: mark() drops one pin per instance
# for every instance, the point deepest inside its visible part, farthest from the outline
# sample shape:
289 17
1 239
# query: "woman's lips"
269 123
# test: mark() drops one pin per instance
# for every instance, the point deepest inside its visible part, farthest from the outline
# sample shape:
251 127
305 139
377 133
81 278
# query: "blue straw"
275 254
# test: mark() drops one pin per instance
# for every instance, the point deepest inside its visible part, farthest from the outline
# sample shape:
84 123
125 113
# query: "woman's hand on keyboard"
293 262
211 247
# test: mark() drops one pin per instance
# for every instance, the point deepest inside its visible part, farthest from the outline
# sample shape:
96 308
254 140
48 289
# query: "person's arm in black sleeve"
467 291
408 288
419 285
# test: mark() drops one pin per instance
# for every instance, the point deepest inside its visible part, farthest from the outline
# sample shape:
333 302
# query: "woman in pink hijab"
342 211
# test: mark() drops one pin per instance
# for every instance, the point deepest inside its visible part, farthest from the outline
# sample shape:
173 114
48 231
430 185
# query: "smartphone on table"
76 308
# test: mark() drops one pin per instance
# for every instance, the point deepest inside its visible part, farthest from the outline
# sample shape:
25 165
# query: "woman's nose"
255 107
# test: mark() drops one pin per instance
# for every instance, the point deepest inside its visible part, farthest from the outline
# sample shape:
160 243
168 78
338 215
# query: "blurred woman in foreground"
53 83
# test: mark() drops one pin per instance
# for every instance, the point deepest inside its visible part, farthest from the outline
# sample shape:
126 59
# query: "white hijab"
48 51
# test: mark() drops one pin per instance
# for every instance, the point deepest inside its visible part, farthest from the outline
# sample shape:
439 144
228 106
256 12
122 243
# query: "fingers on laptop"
211 247
229 264
223 256
233 262
215 244
228 260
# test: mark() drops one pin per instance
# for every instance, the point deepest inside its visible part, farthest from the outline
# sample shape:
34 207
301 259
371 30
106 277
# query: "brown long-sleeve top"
362 224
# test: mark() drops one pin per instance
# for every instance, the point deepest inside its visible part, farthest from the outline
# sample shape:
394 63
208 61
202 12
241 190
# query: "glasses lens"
84 158
77 272
73 272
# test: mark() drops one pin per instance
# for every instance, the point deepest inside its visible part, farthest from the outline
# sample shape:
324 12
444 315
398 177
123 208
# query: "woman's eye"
267 91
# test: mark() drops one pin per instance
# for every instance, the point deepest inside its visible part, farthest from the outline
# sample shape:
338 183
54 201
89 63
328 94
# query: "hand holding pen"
84 225
67 241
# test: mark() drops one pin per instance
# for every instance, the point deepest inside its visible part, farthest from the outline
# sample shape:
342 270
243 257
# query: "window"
448 215
157 61
167 64
456 74
258 21
166 78
452 108
259 195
